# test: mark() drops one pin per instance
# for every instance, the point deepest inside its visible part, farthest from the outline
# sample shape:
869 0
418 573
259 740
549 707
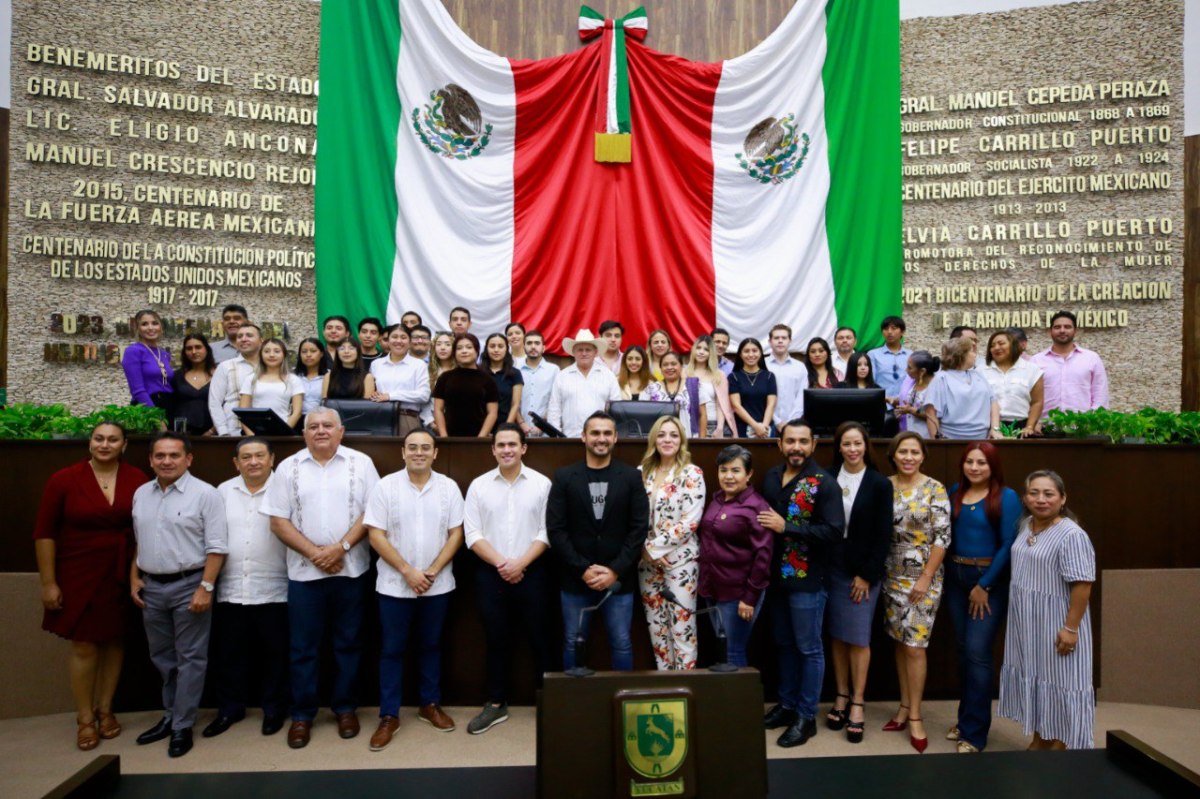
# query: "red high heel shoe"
920 744
896 726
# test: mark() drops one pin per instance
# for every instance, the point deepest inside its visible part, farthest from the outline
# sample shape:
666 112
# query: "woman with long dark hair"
466 401
84 540
858 568
816 360
859 372
190 385
508 378
984 516
752 391
348 378
634 375
311 369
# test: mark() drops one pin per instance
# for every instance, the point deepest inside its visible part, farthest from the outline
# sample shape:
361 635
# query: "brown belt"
407 412
971 561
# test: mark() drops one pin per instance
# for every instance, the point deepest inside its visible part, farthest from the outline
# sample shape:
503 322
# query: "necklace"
752 376
104 481
1033 534
162 367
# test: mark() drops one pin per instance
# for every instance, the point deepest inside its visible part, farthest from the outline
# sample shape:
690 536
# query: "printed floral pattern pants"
672 625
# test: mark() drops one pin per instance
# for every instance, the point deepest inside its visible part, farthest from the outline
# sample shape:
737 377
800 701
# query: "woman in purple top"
735 550
147 365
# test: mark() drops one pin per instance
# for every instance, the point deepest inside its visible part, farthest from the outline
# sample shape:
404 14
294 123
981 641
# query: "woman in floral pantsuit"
675 488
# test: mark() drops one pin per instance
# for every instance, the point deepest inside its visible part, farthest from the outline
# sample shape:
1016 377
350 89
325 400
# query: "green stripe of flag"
863 214
359 115
622 66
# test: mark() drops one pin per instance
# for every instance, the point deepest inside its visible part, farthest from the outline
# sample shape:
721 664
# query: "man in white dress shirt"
791 377
539 376
582 388
844 342
316 506
250 618
415 519
224 389
179 524
611 332
401 378
505 526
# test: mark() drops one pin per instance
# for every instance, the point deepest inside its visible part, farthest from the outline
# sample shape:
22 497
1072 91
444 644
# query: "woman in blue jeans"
984 517
735 551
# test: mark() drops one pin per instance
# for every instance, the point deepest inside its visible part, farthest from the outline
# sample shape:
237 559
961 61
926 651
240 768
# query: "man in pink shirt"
1075 379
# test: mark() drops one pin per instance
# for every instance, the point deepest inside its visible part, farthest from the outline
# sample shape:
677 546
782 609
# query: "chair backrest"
363 417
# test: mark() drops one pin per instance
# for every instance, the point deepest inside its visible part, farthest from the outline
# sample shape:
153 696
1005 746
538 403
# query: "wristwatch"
345 545
207 586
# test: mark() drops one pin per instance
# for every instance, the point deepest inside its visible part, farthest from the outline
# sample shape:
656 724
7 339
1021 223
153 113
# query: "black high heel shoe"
836 719
854 729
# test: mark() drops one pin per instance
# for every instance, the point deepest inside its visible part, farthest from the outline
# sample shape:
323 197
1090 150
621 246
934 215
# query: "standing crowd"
276 563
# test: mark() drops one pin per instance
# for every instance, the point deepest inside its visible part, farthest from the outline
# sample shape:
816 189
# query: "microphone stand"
722 666
580 668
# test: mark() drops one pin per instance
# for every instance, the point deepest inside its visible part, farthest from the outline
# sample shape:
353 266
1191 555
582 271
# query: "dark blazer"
577 540
863 552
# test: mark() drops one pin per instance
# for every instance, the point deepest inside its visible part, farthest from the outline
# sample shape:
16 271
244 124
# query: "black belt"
174 577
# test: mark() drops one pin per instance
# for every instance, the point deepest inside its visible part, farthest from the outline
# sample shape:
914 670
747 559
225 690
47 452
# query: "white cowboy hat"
584 336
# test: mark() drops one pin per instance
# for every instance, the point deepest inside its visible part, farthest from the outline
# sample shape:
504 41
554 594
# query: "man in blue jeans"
597 516
807 517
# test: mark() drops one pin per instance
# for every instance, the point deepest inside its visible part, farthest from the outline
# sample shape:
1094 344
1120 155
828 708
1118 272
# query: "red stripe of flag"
631 242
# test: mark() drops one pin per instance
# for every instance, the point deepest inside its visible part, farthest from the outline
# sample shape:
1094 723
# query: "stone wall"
1016 248
150 96
1074 194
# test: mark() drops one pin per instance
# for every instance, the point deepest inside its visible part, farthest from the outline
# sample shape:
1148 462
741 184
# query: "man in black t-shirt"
596 518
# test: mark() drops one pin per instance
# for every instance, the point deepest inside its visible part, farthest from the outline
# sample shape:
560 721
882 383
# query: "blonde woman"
147 363
634 375
441 359
658 344
273 386
670 556
714 387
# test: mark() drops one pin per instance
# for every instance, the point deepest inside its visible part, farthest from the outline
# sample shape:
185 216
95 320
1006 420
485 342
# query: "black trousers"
505 608
250 648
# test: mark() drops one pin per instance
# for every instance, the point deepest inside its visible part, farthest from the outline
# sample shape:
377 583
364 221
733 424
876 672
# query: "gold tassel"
614 148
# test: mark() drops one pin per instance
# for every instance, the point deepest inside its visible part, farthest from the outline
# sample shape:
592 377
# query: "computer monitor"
263 422
634 418
826 408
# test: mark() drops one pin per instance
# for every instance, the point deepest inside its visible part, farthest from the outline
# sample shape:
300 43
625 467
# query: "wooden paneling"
710 31
1190 401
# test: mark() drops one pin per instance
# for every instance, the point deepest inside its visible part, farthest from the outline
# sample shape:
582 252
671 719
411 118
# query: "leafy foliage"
1149 424
28 421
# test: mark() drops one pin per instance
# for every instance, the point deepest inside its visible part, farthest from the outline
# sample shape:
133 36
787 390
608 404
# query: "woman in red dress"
83 539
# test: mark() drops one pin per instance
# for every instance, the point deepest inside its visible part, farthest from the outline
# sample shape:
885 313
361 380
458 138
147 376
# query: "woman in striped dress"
1046 682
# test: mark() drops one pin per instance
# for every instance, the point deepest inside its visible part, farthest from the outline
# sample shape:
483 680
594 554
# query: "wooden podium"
651 733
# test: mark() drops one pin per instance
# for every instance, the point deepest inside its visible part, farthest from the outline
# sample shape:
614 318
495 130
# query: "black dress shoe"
798 733
272 724
779 716
156 733
181 743
220 724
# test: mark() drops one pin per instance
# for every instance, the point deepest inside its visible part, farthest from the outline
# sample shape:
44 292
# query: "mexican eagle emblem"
773 150
451 124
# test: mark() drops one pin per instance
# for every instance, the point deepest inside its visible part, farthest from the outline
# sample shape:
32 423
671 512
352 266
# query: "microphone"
550 430
722 665
580 668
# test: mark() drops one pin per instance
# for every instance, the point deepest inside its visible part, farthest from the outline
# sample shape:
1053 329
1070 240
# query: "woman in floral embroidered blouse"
675 488
913 588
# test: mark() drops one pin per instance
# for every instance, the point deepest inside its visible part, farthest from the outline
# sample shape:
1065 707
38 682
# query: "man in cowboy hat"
581 389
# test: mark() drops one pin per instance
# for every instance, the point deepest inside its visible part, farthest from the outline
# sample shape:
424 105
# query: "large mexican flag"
761 189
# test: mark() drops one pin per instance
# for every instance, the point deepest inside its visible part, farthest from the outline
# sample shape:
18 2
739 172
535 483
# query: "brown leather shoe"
433 715
347 724
299 733
383 735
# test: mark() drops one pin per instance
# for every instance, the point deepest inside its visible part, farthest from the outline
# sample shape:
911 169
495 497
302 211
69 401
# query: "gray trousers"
178 642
